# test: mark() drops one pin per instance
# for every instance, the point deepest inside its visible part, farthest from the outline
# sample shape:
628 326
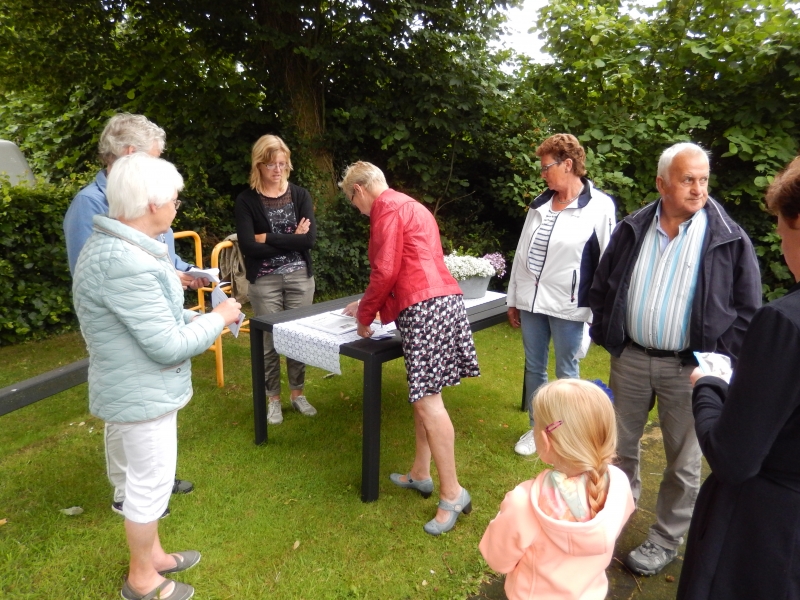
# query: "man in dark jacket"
678 276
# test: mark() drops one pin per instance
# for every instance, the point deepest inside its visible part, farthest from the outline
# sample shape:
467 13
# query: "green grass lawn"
283 520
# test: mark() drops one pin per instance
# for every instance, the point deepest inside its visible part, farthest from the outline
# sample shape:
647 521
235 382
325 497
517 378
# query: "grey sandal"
423 486
462 505
181 591
186 560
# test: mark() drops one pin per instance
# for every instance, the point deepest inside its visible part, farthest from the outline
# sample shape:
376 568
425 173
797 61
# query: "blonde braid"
596 489
585 441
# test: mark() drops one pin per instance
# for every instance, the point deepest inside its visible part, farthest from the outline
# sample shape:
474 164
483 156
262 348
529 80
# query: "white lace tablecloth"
319 349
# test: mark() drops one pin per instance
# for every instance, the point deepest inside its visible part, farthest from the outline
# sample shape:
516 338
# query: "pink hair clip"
553 426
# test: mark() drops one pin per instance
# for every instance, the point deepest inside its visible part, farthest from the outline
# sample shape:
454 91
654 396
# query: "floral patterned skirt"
437 345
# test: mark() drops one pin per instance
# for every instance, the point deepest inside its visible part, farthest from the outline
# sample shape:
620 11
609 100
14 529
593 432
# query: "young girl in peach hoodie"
554 535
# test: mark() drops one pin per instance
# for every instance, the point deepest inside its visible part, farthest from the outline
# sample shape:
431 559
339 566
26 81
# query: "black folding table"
372 353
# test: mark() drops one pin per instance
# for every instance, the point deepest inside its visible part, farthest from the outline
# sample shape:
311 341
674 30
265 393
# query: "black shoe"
117 508
181 486
649 558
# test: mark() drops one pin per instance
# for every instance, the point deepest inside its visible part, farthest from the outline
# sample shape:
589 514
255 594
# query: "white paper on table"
210 274
333 322
218 296
312 346
319 349
384 332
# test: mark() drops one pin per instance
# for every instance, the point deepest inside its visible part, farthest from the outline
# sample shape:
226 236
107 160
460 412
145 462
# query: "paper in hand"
218 296
712 363
382 332
234 327
210 274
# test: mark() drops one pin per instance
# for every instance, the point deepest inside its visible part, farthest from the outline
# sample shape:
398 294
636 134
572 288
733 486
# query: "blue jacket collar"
583 197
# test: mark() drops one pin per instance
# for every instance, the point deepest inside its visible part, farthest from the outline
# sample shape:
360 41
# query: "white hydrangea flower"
463 267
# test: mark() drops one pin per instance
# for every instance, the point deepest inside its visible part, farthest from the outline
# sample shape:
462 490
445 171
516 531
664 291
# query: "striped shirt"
538 250
663 284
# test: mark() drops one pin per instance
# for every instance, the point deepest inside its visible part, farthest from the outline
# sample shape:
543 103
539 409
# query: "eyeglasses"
553 164
352 196
276 166
177 203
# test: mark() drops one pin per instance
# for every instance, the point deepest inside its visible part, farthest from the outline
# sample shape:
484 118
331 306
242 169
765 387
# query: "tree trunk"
300 81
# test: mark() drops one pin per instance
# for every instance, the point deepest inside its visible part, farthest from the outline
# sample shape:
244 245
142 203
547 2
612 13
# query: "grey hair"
665 162
364 174
125 130
138 180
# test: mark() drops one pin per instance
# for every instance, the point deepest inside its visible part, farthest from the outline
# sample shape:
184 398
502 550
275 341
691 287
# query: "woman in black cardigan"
276 230
744 540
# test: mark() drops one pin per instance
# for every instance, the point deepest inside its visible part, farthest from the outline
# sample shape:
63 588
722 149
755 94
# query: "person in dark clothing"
276 230
679 275
744 538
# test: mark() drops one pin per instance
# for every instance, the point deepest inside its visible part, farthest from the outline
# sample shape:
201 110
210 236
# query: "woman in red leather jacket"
410 284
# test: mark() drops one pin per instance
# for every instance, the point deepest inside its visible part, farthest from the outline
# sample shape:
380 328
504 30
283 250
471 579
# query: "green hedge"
340 259
35 297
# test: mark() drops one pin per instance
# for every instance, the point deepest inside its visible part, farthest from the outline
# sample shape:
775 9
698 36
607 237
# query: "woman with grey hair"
410 284
123 134
129 302
126 130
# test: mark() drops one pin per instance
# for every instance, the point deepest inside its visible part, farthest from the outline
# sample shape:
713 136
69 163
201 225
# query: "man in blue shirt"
678 276
91 201
124 134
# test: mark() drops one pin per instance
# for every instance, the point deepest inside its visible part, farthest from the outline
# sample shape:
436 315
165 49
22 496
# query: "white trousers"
141 459
115 460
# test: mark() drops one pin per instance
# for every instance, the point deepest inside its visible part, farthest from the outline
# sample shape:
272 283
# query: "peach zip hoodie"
548 559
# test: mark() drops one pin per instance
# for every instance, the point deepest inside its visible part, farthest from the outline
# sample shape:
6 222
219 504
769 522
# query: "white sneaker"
526 446
274 414
302 406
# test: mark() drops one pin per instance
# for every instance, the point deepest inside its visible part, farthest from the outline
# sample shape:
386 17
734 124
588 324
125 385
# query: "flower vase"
474 287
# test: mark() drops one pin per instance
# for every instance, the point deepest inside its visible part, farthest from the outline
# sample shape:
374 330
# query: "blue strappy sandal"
463 504
423 486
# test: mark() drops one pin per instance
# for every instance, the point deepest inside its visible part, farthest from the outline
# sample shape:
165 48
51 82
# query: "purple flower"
498 262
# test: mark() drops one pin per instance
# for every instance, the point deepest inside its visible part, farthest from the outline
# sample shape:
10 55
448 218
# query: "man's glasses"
177 203
552 164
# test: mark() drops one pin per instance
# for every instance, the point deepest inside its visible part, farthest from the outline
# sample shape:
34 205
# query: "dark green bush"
35 298
341 266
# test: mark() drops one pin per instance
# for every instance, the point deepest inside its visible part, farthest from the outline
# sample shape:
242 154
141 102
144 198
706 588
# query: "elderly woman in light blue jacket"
140 339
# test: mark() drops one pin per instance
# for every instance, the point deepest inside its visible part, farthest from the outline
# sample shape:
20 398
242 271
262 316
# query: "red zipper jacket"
405 257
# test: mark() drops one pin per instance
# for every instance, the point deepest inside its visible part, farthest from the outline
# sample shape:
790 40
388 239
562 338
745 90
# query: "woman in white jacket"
129 302
566 231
